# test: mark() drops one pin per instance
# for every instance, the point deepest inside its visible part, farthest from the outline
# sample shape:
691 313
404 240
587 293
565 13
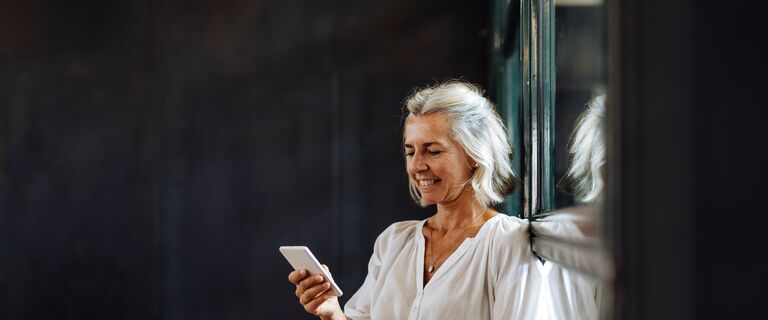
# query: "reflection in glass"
581 73
584 177
568 239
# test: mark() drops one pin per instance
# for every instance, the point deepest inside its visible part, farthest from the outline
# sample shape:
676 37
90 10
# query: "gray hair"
479 130
587 153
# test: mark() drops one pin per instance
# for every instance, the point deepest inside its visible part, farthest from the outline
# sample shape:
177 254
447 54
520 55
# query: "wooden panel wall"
154 155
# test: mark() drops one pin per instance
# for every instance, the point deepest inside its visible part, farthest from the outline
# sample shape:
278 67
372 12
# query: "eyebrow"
426 144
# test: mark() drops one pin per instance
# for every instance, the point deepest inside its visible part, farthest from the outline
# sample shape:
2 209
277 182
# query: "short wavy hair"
586 151
477 127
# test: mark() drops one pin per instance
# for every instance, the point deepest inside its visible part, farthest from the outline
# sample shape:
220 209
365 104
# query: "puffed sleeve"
573 295
514 272
359 306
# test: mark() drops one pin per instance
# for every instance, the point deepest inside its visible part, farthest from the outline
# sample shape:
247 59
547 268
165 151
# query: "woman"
466 261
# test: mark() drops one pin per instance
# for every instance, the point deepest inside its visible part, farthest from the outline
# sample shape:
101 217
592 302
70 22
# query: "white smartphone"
301 258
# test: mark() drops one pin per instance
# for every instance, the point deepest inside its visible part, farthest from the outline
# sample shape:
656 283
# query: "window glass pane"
580 67
572 155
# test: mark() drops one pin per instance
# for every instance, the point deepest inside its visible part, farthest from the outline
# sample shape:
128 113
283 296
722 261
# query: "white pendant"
431 268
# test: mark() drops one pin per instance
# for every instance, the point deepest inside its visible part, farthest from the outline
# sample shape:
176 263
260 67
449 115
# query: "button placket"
417 304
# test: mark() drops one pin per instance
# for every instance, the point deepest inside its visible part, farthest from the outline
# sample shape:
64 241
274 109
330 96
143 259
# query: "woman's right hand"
315 295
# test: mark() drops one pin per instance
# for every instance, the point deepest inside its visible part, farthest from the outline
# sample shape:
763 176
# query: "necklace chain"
431 239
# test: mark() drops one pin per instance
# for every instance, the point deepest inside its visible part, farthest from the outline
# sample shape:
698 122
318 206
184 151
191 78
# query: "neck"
457 214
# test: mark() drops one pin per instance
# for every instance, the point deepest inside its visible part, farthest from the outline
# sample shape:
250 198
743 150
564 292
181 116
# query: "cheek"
456 176
408 167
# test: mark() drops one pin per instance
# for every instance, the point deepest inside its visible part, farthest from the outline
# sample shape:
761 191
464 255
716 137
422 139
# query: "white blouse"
491 276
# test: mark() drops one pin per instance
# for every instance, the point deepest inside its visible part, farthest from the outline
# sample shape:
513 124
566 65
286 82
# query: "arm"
515 275
359 306
315 295
337 316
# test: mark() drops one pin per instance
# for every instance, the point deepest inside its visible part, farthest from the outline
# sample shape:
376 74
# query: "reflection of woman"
466 261
575 295
587 151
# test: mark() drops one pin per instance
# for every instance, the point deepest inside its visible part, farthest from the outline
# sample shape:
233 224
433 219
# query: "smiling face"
436 163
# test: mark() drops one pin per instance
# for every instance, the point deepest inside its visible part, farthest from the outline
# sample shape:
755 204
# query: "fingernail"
319 278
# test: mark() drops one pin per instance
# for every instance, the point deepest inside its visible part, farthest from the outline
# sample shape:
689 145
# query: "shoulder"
505 226
509 248
506 231
401 227
397 234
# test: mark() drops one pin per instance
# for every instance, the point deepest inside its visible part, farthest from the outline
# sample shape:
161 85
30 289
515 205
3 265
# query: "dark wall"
154 155
730 119
691 226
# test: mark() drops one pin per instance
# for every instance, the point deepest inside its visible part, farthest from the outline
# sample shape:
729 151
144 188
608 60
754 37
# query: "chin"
427 201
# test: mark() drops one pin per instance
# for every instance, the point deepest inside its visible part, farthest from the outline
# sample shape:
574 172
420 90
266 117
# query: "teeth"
425 183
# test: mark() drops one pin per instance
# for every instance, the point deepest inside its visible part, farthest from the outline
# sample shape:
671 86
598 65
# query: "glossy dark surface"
154 155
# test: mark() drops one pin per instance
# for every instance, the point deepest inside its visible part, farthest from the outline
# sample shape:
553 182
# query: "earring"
475 165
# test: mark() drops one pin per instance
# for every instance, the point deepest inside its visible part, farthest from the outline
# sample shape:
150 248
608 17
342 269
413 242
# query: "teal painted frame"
523 85
505 89
546 107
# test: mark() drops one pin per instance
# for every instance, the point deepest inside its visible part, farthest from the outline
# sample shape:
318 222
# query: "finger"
299 291
306 284
314 292
315 303
310 281
296 276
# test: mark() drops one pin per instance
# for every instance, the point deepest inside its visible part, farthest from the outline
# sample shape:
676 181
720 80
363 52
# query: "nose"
417 164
